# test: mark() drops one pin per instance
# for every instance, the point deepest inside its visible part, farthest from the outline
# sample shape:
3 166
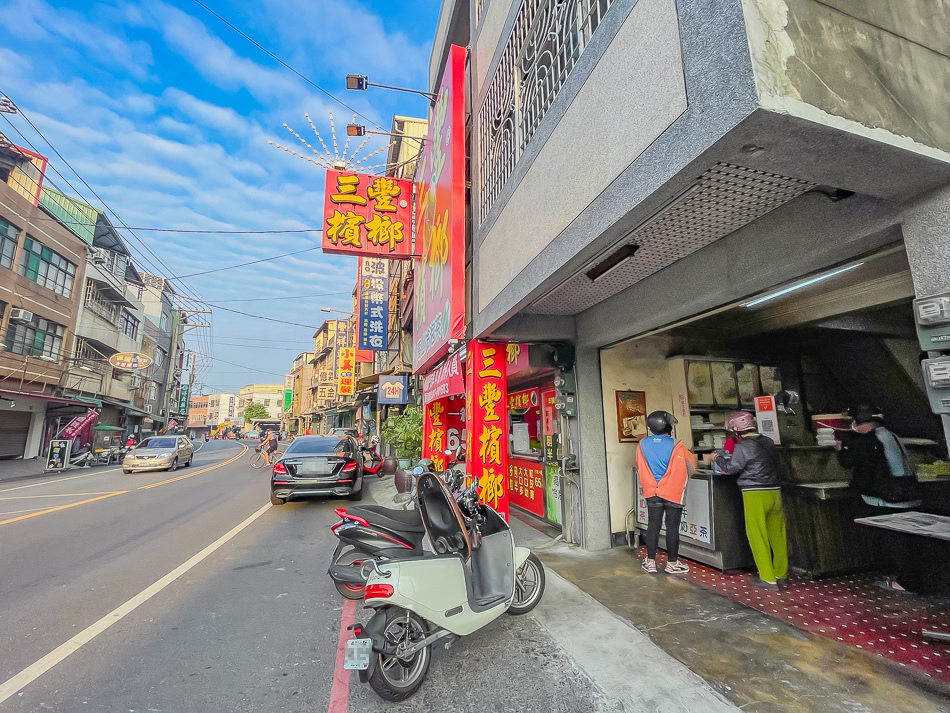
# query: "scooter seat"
399 520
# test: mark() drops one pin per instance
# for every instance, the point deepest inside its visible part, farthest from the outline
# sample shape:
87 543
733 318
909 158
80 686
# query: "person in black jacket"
755 461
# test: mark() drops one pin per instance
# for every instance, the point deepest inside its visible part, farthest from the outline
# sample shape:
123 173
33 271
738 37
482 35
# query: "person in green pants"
755 461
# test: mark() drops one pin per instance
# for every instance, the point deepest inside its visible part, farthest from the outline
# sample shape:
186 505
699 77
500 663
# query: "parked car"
341 432
252 434
159 453
318 465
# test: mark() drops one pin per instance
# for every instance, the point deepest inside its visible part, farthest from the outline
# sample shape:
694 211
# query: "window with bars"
46 267
8 240
98 303
546 41
39 338
129 325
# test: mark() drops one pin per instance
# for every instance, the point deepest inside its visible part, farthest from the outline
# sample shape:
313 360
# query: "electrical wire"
202 232
291 297
287 66
252 262
257 316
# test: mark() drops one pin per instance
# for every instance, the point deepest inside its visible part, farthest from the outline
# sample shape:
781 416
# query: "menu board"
699 386
58 456
724 387
747 377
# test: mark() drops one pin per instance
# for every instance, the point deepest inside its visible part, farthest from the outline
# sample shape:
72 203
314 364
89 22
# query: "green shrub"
404 431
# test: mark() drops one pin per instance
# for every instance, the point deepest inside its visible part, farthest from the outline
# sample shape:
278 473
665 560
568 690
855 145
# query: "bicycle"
257 459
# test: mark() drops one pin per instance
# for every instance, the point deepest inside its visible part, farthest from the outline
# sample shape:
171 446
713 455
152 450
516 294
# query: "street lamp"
359 83
330 309
361 130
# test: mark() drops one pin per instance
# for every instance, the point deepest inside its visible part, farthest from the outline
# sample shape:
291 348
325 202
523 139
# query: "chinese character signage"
367 215
78 423
130 360
183 398
439 313
766 417
695 523
392 390
447 379
486 416
526 485
345 380
374 304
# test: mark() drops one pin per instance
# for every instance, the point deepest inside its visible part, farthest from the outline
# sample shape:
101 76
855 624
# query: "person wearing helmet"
882 475
663 468
755 461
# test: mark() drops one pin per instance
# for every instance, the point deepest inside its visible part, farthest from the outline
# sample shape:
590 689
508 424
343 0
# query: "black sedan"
318 465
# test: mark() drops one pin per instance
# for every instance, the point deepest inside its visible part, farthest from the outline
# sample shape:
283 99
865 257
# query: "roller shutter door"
14 428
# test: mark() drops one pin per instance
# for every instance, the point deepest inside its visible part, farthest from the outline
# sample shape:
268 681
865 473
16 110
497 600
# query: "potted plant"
404 431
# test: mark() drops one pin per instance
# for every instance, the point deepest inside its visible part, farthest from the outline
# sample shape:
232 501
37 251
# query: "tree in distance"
255 411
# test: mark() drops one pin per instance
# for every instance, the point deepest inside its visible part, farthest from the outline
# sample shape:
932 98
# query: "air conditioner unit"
20 315
98 257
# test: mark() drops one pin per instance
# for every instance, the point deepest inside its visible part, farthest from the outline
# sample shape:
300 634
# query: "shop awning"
89 400
371 379
107 428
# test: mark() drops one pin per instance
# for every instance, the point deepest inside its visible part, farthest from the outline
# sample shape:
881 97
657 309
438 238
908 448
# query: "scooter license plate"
358 652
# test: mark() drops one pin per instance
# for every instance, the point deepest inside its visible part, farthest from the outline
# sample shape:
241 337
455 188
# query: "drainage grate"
724 198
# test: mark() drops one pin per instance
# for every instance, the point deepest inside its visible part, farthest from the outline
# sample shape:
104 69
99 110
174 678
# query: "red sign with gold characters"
345 378
365 214
439 314
526 485
486 416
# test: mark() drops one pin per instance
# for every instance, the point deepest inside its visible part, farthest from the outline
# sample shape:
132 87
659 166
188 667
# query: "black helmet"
661 421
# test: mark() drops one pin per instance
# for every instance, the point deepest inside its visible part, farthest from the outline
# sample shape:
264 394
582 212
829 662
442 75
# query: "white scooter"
476 575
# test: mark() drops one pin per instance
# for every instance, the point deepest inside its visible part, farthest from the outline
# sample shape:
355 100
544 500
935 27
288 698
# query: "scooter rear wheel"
355 558
395 679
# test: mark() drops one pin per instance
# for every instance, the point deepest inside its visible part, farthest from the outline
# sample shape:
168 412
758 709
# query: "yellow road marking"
192 474
61 507
12 685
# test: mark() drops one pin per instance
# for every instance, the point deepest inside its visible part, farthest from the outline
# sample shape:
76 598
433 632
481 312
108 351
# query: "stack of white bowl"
826 436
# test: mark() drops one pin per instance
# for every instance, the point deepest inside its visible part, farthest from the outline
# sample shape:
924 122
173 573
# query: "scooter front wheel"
529 586
395 678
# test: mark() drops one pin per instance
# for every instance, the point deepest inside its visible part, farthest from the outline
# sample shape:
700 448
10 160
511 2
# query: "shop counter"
924 540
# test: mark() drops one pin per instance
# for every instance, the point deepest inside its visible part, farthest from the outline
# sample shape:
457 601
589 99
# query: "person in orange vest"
663 468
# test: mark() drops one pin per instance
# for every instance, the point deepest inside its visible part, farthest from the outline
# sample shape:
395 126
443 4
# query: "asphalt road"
252 625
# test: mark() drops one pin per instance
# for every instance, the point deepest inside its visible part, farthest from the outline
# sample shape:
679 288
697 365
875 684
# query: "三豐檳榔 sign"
369 215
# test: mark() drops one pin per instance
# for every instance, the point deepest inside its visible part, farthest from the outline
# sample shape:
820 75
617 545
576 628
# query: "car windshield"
318 445
158 443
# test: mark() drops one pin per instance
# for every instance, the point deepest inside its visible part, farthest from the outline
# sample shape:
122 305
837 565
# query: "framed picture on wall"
631 416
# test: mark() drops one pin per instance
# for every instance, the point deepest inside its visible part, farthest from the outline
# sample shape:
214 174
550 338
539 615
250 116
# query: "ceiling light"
800 285
612 261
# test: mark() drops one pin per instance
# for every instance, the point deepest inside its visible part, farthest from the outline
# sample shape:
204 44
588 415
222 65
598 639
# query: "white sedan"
159 453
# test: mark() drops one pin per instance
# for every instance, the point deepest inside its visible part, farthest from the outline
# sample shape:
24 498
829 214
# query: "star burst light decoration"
335 160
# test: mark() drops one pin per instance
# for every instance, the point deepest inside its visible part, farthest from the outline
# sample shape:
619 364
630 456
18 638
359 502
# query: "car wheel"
126 471
274 500
188 464
174 466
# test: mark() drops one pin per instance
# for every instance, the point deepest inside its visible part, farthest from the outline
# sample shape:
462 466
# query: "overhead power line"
252 262
290 297
257 316
194 230
287 66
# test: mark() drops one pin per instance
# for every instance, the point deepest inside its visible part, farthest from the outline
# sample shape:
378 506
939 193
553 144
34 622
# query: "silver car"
159 453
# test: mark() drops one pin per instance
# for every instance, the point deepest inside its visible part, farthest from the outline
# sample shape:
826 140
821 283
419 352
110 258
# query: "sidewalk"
33 467
661 643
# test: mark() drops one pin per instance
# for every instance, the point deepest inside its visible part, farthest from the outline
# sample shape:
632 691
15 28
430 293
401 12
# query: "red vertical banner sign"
439 314
434 428
487 409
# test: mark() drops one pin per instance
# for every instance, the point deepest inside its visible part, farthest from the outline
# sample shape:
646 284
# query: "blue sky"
166 113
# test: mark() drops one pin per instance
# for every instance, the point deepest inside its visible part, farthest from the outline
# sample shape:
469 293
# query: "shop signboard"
58 456
373 323
365 214
696 512
345 380
552 493
932 315
439 314
526 485
392 390
517 358
766 416
130 361
486 414
71 429
447 379
183 398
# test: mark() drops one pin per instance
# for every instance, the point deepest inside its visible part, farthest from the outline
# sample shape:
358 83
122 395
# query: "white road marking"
60 480
34 671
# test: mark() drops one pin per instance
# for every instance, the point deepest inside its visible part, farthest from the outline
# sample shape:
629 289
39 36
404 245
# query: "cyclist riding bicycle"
270 444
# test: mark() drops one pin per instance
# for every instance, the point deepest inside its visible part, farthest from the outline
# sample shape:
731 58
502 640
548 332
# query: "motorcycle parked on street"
373 532
476 575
